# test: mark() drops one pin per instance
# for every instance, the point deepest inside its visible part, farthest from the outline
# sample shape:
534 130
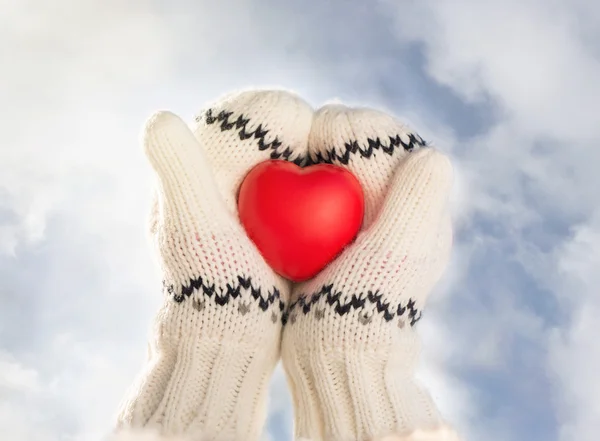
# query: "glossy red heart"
300 218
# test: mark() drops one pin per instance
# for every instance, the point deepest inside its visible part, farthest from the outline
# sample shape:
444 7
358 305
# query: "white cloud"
526 55
67 69
574 351
16 377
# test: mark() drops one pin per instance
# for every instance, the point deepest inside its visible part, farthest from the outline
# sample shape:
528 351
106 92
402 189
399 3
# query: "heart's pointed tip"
300 278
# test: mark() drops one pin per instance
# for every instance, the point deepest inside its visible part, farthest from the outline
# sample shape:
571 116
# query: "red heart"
300 218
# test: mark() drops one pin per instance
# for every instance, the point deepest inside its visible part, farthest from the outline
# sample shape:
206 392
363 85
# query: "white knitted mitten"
217 336
349 347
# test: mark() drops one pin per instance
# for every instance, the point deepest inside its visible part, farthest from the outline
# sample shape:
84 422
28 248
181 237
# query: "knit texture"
349 346
216 338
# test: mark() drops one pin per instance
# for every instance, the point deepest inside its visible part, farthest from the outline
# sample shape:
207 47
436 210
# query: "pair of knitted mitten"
217 336
348 345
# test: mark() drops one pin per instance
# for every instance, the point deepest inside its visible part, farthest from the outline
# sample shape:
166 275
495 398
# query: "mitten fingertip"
161 130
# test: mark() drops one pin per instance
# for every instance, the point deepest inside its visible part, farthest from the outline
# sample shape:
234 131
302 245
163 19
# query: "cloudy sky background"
509 88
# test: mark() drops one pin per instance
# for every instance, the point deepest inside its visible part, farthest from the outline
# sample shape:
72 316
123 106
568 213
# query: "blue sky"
508 88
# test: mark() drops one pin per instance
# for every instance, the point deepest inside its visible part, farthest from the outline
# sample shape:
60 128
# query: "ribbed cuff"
207 389
360 395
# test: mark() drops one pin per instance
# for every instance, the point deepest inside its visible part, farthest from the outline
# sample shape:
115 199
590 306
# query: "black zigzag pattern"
373 145
228 121
222 296
334 300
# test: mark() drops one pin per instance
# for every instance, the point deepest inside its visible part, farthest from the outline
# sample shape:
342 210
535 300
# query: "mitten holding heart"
350 348
217 334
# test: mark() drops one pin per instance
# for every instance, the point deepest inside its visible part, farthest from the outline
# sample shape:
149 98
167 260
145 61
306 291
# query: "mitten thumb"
188 192
416 202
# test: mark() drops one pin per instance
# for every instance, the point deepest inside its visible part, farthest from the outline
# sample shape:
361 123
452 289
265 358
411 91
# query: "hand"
349 347
217 336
